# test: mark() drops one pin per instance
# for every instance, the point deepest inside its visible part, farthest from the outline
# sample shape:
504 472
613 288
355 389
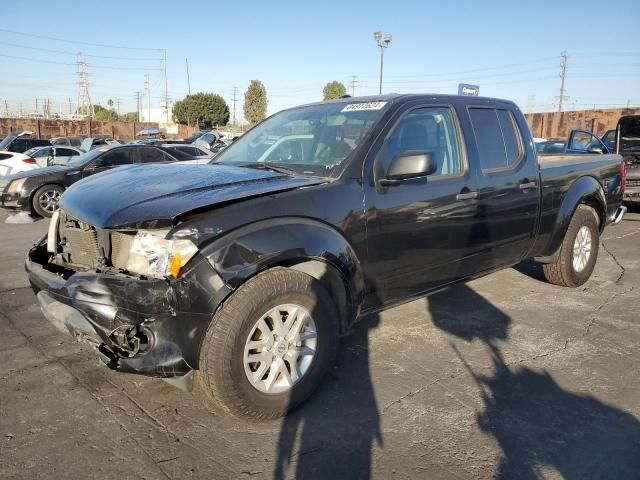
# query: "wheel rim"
280 349
582 249
48 200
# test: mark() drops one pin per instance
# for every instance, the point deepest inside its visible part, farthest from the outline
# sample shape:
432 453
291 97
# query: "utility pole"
165 99
235 94
36 105
138 104
70 112
148 94
21 113
6 107
352 85
118 105
186 60
382 43
563 77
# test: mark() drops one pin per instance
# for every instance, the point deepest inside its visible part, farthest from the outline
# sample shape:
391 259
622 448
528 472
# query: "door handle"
527 186
467 196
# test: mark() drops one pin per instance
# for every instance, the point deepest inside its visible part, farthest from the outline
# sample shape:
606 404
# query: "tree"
333 90
129 117
104 114
201 109
110 103
255 102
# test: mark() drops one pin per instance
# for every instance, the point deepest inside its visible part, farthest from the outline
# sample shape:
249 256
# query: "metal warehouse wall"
559 125
48 128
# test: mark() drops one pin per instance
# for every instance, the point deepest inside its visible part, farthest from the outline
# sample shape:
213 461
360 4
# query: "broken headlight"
152 255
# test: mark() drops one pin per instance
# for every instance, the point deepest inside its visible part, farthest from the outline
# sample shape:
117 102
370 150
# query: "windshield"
312 140
80 159
6 141
609 140
630 134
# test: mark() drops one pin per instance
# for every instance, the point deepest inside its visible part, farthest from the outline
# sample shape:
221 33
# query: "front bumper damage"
152 327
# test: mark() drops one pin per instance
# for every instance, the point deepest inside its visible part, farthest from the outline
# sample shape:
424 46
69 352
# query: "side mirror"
595 150
410 164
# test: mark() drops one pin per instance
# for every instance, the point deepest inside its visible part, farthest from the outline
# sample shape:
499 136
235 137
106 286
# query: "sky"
511 49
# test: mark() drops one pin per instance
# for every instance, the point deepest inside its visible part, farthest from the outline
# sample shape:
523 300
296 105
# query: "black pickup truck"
245 272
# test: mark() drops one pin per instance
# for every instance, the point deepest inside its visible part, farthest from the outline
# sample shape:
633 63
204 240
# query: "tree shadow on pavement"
332 435
538 425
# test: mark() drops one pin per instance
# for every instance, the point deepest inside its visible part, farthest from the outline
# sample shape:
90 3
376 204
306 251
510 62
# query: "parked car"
609 140
11 162
39 191
72 141
208 140
193 137
247 272
46 156
628 145
199 154
579 141
17 143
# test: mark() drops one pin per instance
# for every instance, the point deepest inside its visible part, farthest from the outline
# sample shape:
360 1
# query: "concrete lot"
504 377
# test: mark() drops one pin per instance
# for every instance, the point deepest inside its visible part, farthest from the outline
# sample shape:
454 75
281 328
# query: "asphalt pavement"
504 377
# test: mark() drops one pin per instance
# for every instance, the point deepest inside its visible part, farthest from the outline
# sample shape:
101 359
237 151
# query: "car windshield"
630 134
6 141
80 159
313 140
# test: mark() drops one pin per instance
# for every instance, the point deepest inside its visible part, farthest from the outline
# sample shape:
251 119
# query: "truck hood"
153 196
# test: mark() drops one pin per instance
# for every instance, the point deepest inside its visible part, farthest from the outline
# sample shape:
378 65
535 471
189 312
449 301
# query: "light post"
382 43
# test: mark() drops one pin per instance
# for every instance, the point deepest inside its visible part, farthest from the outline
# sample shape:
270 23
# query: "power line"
66 52
107 67
75 42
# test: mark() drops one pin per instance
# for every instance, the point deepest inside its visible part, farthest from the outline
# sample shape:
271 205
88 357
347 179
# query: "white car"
11 162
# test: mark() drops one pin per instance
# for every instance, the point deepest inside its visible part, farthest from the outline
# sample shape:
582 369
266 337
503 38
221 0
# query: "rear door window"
153 155
497 138
117 157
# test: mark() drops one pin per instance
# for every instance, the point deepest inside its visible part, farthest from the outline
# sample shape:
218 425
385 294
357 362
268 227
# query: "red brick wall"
59 128
559 125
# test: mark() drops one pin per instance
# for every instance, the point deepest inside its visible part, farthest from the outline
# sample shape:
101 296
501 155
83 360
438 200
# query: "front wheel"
269 346
46 199
578 252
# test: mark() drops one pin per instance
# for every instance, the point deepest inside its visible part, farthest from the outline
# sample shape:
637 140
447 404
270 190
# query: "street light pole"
382 43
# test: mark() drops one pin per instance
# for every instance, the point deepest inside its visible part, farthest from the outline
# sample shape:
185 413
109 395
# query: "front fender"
285 241
584 190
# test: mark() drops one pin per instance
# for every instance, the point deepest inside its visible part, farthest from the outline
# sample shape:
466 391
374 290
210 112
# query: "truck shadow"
333 434
538 425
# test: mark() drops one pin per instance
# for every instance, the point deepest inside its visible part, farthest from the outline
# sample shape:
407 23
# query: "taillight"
30 161
623 176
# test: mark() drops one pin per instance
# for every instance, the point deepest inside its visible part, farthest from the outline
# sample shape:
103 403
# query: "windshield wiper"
270 166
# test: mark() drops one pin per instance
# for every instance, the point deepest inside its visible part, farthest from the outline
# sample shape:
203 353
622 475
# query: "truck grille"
79 242
84 245
632 183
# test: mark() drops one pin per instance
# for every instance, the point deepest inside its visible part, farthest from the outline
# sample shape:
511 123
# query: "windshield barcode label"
358 107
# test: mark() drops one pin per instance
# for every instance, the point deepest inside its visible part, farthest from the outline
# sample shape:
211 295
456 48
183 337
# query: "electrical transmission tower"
235 99
563 77
352 85
85 107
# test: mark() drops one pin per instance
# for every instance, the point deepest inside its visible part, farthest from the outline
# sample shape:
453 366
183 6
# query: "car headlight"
16 185
151 254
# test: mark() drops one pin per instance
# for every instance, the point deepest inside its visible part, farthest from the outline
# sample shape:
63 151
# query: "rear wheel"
578 252
270 345
46 199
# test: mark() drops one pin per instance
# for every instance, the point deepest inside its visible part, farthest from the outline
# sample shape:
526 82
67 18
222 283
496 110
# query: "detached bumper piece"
135 325
619 215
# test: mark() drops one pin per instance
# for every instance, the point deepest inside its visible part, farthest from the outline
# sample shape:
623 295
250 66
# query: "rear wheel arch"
584 191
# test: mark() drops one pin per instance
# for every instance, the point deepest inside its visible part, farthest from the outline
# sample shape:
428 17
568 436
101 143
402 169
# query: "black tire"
221 374
37 197
562 271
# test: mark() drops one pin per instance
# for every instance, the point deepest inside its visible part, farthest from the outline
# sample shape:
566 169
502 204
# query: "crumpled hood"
152 196
39 171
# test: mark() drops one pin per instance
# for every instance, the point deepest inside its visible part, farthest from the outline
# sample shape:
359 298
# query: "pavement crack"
615 259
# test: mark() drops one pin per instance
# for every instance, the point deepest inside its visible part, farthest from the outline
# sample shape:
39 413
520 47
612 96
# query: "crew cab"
38 191
244 273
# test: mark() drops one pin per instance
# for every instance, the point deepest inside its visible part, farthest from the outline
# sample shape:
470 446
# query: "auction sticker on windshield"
358 107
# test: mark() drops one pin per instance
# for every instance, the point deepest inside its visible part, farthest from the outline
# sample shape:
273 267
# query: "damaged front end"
137 323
